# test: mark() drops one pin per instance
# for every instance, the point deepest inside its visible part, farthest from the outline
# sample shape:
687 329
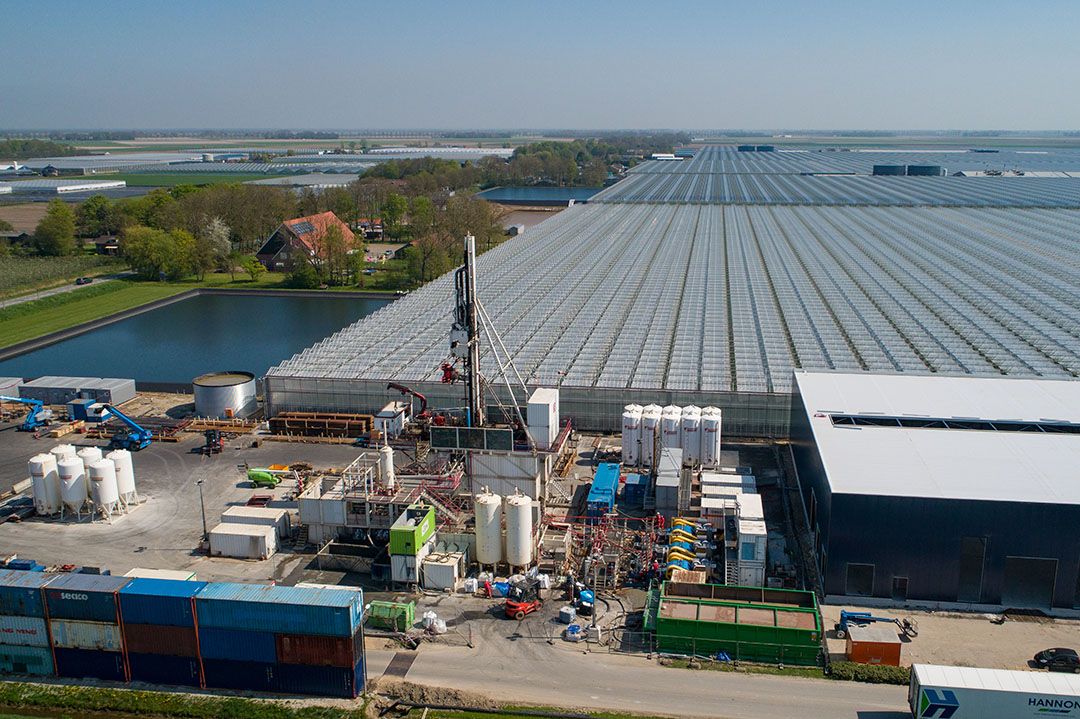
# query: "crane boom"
36 417
132 437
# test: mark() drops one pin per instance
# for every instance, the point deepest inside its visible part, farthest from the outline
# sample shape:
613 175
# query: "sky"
327 64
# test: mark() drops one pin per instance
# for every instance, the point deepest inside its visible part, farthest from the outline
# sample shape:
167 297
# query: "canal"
205 333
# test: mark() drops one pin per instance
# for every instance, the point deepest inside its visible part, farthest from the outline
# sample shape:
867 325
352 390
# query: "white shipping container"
243 541
23 631
277 518
442 571
750 507
71 634
753 540
542 417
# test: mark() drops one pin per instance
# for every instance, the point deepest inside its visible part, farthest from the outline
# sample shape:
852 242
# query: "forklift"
523 598
215 442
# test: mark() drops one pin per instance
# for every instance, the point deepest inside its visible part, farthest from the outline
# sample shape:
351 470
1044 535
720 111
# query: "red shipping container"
316 651
874 644
161 639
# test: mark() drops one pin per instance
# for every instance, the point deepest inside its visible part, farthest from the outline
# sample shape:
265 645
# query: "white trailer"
938 692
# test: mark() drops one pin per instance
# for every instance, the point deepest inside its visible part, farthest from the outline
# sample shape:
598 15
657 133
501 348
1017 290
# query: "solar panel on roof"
302 228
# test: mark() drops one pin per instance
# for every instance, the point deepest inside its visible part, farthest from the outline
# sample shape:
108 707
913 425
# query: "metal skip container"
224 395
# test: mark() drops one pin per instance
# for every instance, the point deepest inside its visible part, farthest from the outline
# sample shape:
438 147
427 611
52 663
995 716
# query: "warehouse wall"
921 539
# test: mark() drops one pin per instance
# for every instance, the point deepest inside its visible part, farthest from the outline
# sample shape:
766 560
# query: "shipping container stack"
83 612
160 631
299 640
24 631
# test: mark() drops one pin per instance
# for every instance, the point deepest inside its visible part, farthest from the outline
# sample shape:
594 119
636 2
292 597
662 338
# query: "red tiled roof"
311 229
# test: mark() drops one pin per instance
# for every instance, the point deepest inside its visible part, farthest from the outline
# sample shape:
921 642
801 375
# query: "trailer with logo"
938 692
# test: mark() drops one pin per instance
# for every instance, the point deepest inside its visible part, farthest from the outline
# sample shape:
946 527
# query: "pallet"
66 429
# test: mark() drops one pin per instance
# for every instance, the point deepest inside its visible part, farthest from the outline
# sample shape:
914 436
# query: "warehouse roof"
994 439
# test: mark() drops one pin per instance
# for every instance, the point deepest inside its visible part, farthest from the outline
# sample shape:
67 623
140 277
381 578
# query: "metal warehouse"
942 489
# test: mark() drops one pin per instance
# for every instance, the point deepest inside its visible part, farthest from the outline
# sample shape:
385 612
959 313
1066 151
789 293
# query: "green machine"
412 530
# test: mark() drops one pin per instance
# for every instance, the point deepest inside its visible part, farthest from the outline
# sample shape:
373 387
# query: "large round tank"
125 475
386 466
103 489
488 507
631 435
671 427
711 419
690 435
61 451
45 483
650 432
89 455
73 489
224 395
519 525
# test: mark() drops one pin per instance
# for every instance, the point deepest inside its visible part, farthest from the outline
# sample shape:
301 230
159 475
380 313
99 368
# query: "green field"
21 275
171 179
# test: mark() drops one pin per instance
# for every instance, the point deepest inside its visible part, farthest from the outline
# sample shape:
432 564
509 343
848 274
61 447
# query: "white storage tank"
711 421
650 433
690 435
519 525
125 476
488 507
386 467
103 489
73 485
631 435
671 427
89 455
45 483
61 451
224 395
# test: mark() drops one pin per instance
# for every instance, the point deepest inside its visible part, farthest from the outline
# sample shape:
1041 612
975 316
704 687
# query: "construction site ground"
966 640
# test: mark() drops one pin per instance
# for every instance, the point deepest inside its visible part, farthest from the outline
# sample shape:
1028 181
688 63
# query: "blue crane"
131 436
38 415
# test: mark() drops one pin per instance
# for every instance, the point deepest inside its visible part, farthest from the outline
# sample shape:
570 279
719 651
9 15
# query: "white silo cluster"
647 430
489 531
69 481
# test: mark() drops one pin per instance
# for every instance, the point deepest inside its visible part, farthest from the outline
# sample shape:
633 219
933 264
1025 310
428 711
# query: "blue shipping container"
605 486
287 610
89 597
25 565
158 669
321 681
26 660
20 593
159 601
225 674
237 645
81 663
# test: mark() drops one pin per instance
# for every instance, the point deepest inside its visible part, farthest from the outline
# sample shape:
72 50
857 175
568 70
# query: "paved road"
60 290
563 676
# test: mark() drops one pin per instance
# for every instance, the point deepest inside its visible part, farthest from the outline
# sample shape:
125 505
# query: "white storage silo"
631 435
671 427
711 420
690 435
386 467
650 432
62 451
45 482
488 508
103 489
125 476
73 489
89 455
519 525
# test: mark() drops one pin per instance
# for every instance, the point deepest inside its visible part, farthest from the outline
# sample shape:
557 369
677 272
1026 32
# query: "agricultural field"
19 275
171 179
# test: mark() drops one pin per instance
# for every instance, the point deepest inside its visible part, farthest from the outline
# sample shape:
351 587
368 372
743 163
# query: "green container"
746 623
412 530
391 616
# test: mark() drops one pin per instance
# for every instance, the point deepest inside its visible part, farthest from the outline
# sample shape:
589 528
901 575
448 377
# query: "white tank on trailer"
690 435
631 435
89 455
125 476
671 428
650 432
45 483
73 489
519 525
488 510
61 451
711 423
103 490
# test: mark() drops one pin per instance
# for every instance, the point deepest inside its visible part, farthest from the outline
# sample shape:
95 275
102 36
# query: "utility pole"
202 506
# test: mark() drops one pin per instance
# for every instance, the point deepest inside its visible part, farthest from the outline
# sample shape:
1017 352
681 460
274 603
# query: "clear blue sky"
874 64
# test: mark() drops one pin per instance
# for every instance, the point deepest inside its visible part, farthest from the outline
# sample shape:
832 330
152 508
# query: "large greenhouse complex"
664 289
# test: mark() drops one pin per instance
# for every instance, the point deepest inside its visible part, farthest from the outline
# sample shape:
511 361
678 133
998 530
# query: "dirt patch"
411 693
24 217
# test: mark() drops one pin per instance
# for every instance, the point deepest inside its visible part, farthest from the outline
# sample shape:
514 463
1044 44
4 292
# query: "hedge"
870 673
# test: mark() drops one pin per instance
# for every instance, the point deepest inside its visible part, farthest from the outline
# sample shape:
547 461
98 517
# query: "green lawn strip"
521 712
132 702
744 668
171 179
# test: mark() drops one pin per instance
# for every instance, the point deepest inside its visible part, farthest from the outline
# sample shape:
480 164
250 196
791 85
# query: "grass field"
171 179
21 275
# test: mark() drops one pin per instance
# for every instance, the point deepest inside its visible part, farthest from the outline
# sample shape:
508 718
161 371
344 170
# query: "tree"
6 226
212 246
303 277
421 215
393 212
99 215
157 254
55 234
232 264
252 266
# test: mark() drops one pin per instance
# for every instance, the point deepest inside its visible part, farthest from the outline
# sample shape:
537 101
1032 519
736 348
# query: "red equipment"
449 374
409 391
523 599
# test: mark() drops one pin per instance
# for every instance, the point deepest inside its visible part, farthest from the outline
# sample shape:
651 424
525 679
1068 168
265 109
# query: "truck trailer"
938 692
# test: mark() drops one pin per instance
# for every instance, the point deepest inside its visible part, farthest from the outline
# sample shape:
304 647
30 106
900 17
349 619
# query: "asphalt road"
60 290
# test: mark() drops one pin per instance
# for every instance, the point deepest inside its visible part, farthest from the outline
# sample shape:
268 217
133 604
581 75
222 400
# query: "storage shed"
873 644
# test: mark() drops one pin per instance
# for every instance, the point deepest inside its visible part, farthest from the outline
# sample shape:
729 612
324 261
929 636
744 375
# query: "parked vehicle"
938 692
84 280
1059 659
